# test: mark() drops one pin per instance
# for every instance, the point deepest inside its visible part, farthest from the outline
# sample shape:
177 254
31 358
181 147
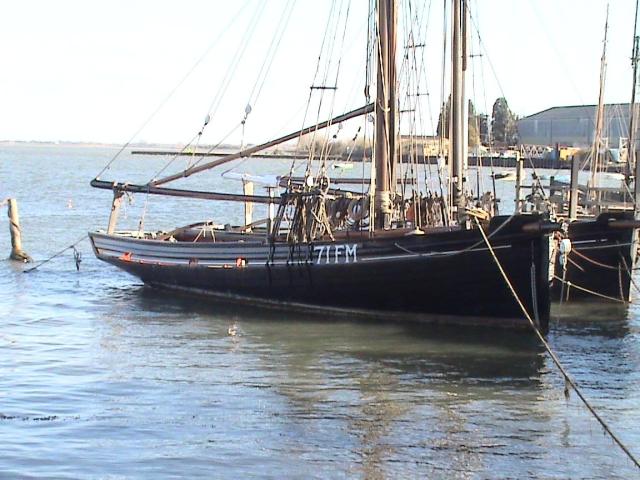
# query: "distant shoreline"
36 143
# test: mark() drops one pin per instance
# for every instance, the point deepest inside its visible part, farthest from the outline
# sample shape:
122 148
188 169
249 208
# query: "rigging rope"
271 54
327 68
237 57
215 103
556 360
308 104
173 91
466 249
629 272
484 52
202 156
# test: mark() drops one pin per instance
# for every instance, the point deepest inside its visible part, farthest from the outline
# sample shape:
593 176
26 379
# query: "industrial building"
574 126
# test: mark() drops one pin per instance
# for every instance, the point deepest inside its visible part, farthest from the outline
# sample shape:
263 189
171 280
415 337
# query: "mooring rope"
586 290
556 360
629 272
77 257
466 249
595 262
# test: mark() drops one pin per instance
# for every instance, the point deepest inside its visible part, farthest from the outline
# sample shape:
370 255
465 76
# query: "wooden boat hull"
441 277
600 261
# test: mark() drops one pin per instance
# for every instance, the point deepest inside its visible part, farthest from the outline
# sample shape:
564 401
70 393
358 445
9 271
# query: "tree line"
500 129
503 124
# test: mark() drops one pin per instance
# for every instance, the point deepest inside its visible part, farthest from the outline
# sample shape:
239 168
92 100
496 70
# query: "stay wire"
173 91
327 69
337 76
237 57
485 52
215 103
202 155
308 105
271 52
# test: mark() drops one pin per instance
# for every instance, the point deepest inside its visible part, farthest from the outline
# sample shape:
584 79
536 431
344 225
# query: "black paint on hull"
442 277
600 262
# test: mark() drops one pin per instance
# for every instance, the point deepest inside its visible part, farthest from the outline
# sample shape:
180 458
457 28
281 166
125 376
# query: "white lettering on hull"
327 254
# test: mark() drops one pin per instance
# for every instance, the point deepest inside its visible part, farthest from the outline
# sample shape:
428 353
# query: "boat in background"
595 255
508 176
594 259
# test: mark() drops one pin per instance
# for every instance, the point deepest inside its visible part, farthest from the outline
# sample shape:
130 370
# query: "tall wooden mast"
633 165
458 118
596 149
633 107
385 112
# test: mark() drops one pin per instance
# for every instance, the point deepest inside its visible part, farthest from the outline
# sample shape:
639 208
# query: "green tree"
474 123
474 126
443 120
504 122
483 128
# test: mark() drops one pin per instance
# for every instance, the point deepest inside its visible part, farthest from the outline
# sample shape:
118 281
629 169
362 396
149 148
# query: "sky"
83 70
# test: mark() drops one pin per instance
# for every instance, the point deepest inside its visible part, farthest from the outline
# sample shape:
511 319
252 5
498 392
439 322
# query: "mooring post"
16 236
115 210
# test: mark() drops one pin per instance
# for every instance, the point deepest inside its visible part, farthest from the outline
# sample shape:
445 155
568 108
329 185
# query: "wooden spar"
202 195
176 192
465 38
519 179
597 140
272 210
636 214
633 107
385 83
214 153
250 151
632 152
115 211
346 181
392 21
573 188
457 146
16 234
247 189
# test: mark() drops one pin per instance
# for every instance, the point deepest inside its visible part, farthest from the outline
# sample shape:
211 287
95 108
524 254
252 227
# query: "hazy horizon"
94 73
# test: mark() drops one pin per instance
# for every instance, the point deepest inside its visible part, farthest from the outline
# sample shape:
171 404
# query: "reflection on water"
101 377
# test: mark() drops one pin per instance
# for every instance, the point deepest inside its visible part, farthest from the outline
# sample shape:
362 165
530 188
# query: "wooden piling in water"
16 235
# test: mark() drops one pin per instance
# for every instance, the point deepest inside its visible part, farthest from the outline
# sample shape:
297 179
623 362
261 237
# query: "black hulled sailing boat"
443 274
597 253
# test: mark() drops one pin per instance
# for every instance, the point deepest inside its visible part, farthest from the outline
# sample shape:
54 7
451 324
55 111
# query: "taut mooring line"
73 245
555 359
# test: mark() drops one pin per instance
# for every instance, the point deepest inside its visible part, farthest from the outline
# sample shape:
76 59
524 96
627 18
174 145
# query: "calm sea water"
101 377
